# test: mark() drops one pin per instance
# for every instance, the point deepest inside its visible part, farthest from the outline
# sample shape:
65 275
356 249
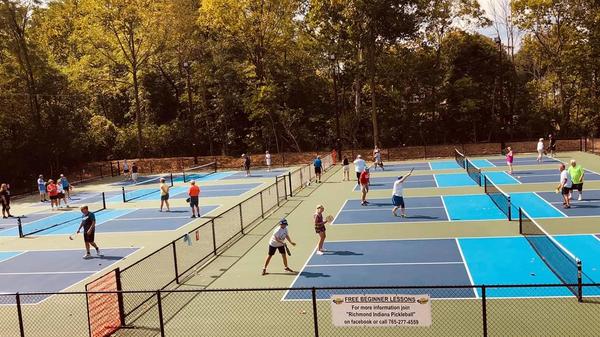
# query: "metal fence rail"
499 310
166 267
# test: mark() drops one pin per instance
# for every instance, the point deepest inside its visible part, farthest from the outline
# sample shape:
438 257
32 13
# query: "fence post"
241 218
262 207
214 237
175 262
112 171
118 168
277 189
120 296
484 311
315 316
290 182
284 187
160 314
20 315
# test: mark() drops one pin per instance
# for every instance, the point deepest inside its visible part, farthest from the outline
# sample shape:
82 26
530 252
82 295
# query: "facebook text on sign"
381 310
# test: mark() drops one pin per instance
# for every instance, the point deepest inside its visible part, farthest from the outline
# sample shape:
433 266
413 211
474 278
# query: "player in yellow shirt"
576 172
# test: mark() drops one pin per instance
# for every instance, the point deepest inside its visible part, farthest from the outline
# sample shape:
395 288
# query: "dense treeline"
84 80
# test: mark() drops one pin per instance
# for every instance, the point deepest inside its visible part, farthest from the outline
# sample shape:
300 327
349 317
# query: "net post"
520 221
314 307
262 207
579 282
103 201
484 310
290 182
175 262
509 209
161 320
123 192
183 175
20 314
241 218
171 176
20 225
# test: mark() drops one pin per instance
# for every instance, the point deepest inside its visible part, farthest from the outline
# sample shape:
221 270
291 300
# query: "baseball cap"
283 222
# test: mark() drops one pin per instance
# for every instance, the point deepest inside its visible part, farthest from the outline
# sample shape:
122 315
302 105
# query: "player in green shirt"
576 172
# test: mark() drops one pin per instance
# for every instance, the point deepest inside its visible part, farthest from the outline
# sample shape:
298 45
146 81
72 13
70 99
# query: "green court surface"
223 310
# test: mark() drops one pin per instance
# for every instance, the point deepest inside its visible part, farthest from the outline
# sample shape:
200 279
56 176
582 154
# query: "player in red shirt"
364 185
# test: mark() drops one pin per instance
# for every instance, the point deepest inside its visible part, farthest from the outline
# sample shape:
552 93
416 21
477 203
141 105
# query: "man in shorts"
552 146
318 164
540 150
88 223
576 172
565 185
364 186
164 195
398 197
359 166
277 243
42 188
66 185
377 158
246 162
134 173
194 194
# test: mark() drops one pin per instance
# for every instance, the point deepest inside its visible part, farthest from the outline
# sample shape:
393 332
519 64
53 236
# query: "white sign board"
381 310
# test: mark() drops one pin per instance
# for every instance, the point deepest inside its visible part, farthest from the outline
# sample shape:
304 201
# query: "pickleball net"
564 264
499 197
460 158
55 222
473 171
199 172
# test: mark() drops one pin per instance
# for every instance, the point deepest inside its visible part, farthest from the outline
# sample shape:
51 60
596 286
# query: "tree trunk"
138 112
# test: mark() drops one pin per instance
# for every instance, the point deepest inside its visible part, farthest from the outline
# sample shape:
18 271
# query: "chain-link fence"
503 311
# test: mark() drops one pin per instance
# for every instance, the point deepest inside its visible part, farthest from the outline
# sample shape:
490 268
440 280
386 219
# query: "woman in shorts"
540 150
61 194
277 243
509 159
164 194
126 170
346 166
320 228
565 185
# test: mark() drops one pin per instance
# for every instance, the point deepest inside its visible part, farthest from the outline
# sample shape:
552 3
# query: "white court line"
299 272
489 162
445 208
138 219
464 261
508 175
390 206
339 211
430 168
435 181
12 257
382 264
550 204
52 272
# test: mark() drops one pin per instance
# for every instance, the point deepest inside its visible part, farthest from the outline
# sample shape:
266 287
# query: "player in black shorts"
88 223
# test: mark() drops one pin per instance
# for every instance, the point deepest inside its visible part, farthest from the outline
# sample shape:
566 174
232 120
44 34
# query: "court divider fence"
500 310
169 265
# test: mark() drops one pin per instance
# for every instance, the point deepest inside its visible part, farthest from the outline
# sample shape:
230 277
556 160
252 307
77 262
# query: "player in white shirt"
278 243
540 150
397 195
268 160
565 185
359 167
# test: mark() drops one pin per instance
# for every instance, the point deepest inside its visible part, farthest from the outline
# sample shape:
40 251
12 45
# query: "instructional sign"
381 310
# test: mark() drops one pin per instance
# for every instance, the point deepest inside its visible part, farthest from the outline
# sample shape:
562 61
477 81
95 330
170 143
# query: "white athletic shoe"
319 252
87 256
580 198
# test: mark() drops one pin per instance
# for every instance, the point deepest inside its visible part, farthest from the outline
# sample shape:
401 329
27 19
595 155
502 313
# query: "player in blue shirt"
318 168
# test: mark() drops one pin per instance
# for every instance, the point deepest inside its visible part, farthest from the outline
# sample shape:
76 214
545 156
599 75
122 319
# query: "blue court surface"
518 161
52 270
208 191
442 262
423 166
257 174
468 207
107 221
